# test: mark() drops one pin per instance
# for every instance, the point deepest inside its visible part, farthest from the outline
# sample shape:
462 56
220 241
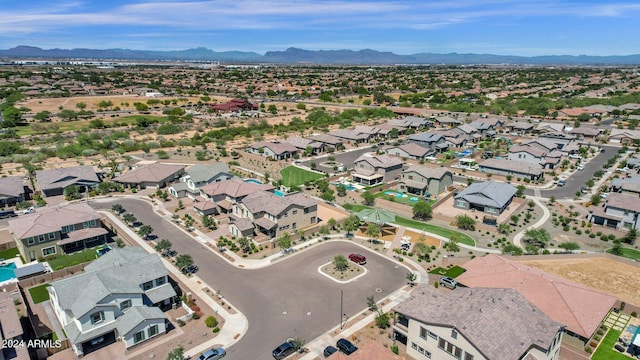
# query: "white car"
575 156
30 210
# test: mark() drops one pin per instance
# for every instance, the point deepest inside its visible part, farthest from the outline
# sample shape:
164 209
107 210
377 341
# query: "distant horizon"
404 27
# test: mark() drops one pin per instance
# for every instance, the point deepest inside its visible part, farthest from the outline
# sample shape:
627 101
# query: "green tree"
208 221
569 246
617 248
371 303
351 224
245 244
511 249
520 191
369 198
327 195
81 105
596 199
504 228
129 218
42 116
67 115
383 320
340 263
372 230
531 249
341 189
72 192
631 236
145 231
163 245
332 223
183 261
117 208
411 277
465 222
284 241
323 230
176 354
422 210
539 237
12 116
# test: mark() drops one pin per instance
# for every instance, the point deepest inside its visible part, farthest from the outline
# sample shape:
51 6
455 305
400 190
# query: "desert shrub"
211 321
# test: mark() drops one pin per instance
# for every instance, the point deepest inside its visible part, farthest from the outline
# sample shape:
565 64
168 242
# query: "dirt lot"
613 277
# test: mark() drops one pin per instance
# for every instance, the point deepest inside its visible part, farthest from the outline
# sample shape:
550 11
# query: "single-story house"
515 168
490 197
12 190
52 182
155 175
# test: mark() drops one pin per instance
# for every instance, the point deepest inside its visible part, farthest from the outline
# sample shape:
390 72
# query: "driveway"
288 299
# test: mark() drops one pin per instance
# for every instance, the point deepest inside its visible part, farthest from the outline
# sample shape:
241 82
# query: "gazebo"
379 217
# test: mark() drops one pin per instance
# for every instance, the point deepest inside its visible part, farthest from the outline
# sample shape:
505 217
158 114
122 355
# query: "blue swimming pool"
350 187
278 193
393 193
253 181
6 272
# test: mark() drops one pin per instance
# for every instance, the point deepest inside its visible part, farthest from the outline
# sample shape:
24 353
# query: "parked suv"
346 346
358 259
448 282
283 350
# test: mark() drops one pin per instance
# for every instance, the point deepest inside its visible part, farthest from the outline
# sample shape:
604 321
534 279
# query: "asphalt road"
288 299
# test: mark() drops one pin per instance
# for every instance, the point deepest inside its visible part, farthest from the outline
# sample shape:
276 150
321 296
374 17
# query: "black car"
283 350
346 346
191 269
329 350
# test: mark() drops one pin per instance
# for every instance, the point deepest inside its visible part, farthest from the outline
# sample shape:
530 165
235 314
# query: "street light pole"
341 298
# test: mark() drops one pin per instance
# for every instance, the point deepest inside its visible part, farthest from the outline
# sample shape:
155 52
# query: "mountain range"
299 56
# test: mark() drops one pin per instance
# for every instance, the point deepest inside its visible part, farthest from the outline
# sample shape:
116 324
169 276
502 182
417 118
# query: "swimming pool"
350 187
278 193
253 181
393 193
6 272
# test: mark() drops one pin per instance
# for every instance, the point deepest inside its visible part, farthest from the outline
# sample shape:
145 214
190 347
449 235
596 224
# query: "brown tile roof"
50 219
414 149
500 323
83 234
63 177
379 161
234 188
155 172
535 151
626 202
579 307
205 205
9 319
429 172
11 186
263 201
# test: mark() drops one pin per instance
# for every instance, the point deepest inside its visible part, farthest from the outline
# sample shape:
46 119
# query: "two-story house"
409 151
197 176
373 169
118 297
620 211
425 181
428 140
56 230
273 215
219 197
475 324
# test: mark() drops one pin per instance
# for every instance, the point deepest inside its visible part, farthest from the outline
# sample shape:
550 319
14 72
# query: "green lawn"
9 254
430 228
402 200
606 351
293 176
39 293
63 261
452 273
628 253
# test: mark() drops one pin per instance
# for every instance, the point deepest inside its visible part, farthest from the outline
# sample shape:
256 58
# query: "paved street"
288 299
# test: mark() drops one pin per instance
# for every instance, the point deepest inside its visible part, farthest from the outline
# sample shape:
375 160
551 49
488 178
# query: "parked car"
97 341
358 259
601 150
7 214
346 346
580 167
30 210
285 349
191 269
329 350
448 282
561 182
574 156
213 354
620 348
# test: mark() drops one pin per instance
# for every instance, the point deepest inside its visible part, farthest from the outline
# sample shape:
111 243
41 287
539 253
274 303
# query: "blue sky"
510 27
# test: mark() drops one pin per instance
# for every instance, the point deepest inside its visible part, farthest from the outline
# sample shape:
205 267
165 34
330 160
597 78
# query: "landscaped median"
419 225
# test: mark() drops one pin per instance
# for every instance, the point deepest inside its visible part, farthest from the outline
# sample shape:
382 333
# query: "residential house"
448 121
490 197
529 155
411 122
544 127
12 331
428 140
197 176
273 149
57 230
624 136
409 151
12 190
425 181
354 136
235 105
52 182
560 139
475 324
306 146
620 211
519 127
331 142
373 169
517 168
118 297
581 308
629 185
221 196
273 215
155 175
586 134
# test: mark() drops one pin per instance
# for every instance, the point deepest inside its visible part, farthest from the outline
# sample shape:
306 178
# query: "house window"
423 333
85 224
153 330
450 348
306 210
433 335
93 223
468 356
313 219
148 285
49 251
410 177
421 350
286 214
64 230
454 334
97 317
52 236
138 337
294 226
160 281
125 305
41 238
30 241
294 212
